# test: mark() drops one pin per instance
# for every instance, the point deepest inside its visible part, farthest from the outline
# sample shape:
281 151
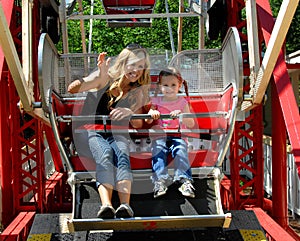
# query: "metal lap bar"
104 118
151 223
152 131
70 118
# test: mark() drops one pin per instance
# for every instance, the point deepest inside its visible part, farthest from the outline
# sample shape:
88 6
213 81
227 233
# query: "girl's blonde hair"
171 71
117 74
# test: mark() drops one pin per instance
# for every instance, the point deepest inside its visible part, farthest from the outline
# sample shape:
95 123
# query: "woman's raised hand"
95 80
103 66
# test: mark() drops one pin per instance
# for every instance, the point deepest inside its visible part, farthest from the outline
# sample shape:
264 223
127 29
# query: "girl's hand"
175 113
119 113
155 114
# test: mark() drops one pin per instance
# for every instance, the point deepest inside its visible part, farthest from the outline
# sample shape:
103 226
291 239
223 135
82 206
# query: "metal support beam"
27 44
284 88
13 62
279 162
253 43
284 19
8 47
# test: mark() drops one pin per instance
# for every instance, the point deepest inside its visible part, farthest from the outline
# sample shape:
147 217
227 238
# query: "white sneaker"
106 212
187 188
124 211
159 189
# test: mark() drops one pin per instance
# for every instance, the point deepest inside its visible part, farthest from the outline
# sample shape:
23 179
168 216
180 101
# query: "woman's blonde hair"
117 74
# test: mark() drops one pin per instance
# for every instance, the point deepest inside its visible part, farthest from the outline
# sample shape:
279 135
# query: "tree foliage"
113 40
292 39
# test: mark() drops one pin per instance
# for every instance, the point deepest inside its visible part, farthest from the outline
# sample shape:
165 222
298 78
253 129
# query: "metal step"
244 226
170 211
151 223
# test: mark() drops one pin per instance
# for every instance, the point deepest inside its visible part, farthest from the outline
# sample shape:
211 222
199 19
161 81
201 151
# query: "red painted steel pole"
284 87
7 206
279 162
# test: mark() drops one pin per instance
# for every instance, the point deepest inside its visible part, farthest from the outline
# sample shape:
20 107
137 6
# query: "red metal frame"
5 163
26 151
286 120
251 131
25 190
240 191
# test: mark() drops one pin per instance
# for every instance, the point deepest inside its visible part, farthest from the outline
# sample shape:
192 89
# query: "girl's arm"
96 80
155 114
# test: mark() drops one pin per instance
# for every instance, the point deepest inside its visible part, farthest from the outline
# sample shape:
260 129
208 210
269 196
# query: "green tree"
113 40
292 39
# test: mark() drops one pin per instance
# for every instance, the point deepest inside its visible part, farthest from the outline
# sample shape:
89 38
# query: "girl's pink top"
165 107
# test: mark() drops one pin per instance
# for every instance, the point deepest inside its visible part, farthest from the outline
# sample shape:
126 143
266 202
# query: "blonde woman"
124 91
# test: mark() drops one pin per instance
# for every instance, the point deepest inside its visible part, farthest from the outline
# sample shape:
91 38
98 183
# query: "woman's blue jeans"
160 151
111 155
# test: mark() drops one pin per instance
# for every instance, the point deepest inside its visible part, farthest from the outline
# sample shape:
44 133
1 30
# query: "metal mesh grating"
76 66
202 69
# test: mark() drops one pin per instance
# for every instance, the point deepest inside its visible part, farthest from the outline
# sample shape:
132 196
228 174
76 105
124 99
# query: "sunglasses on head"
133 46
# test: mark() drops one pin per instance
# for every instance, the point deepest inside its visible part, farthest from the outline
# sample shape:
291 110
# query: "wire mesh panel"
202 69
76 66
72 67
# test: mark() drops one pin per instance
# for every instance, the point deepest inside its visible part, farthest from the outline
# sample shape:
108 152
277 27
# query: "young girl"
122 91
169 84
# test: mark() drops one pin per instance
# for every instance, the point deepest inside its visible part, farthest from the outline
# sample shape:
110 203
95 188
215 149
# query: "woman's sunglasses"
133 46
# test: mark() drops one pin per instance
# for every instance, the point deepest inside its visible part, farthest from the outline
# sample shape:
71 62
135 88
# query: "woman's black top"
96 103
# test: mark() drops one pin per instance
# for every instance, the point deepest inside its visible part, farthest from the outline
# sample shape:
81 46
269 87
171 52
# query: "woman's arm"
96 80
119 113
137 123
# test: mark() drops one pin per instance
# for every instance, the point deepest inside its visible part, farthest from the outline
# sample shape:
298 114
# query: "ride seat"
140 145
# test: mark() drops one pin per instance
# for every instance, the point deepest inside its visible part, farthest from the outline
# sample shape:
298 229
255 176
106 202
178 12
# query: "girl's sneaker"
160 188
187 188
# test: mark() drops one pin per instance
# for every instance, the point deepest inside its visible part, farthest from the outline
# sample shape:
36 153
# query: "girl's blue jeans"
178 149
111 155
